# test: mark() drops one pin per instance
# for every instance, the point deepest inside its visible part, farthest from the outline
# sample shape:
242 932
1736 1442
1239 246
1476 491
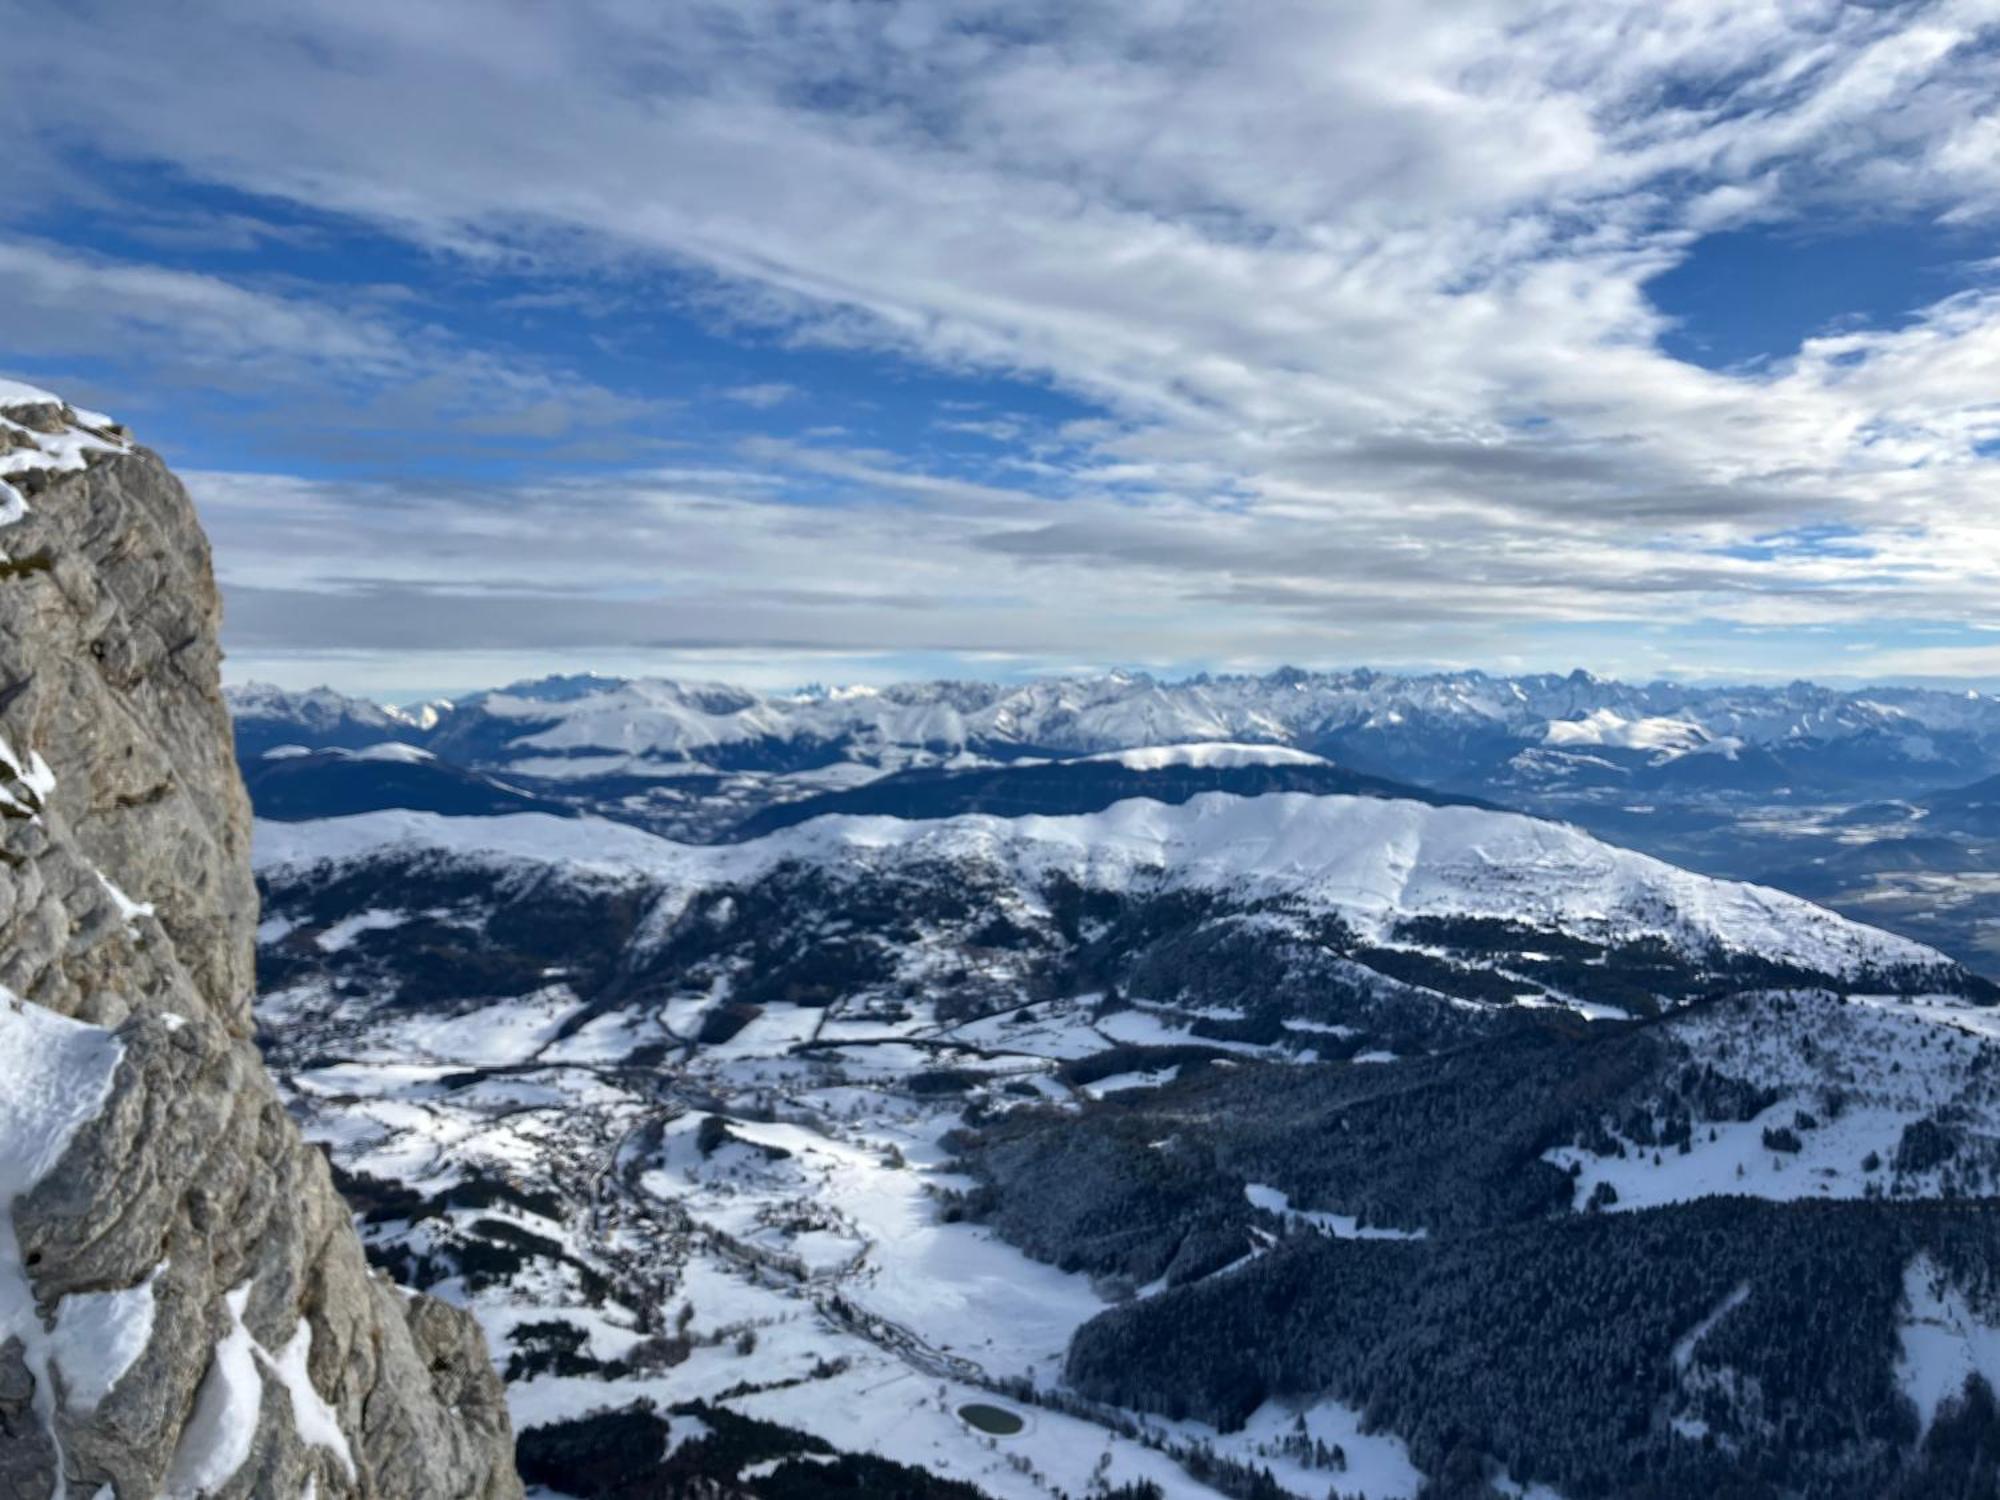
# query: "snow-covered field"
1850 1078
871 1317
1943 1342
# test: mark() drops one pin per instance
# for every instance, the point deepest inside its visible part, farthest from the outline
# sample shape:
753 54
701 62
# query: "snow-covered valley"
865 1128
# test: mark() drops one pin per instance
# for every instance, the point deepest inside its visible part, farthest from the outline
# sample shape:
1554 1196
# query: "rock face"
184 1305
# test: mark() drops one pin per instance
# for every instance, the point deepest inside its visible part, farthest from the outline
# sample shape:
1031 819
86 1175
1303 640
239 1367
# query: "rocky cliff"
184 1306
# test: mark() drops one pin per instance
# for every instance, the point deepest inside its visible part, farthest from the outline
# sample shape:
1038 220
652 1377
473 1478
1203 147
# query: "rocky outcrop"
184 1305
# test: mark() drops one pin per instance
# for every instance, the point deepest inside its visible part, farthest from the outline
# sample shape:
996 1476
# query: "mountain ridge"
1381 867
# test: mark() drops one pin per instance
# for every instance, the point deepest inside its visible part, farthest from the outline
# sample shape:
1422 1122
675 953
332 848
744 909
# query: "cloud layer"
1358 292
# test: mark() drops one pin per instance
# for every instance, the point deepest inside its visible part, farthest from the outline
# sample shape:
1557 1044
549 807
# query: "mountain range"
1855 798
1463 731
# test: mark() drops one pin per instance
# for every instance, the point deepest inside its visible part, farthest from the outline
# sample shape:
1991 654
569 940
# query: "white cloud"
762 396
332 364
1360 287
60 301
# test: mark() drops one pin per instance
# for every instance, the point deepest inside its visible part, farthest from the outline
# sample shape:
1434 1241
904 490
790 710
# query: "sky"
778 341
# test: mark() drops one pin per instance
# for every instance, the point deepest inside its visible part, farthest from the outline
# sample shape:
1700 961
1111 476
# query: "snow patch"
1606 727
223 1426
1944 1343
1210 756
129 911
30 772
1119 1082
98 1337
312 1419
342 933
58 1076
1340 1226
390 750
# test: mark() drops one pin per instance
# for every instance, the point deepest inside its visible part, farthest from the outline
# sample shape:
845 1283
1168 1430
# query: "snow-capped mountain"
268 718
1377 867
1467 730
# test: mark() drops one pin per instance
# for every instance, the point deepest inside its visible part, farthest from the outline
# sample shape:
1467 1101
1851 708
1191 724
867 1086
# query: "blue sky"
638 366
779 341
1752 296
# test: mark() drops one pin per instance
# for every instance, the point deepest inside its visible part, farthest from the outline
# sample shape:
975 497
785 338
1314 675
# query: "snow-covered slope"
1373 862
1606 727
1864 1098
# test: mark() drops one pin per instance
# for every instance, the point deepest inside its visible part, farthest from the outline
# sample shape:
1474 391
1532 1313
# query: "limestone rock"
184 1304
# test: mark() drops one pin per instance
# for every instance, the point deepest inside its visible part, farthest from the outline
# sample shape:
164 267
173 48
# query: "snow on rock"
33 780
223 1426
129 911
167 1131
98 1336
17 393
58 1075
312 1419
1944 1341
29 443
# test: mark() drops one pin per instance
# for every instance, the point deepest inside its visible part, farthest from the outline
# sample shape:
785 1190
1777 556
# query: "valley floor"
805 1269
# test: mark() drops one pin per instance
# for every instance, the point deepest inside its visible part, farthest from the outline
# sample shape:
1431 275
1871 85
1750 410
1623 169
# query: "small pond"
996 1421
